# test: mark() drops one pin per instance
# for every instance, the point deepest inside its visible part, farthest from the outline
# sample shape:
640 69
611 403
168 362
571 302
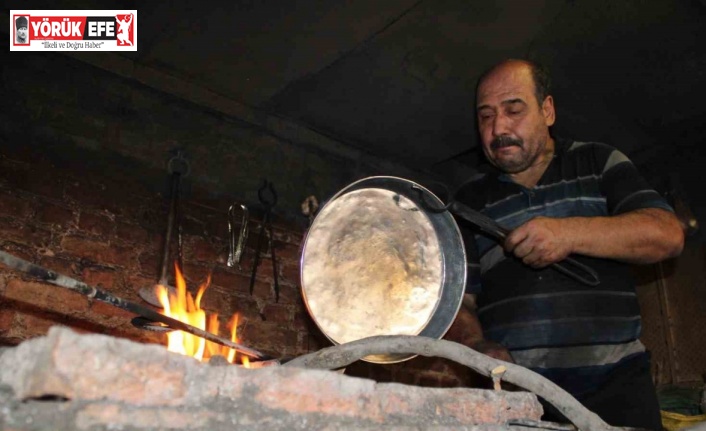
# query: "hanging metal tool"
235 251
179 168
309 207
268 198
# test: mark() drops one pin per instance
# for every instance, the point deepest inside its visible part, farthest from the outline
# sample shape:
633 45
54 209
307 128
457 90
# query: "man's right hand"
493 349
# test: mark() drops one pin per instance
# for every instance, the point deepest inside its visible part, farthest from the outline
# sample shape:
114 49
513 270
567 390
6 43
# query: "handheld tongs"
268 199
500 233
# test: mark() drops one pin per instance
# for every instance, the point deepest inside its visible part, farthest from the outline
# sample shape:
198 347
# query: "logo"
73 30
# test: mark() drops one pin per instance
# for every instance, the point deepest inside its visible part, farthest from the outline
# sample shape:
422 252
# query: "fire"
183 307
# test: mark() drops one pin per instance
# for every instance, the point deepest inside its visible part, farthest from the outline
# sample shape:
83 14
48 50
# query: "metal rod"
52 277
176 177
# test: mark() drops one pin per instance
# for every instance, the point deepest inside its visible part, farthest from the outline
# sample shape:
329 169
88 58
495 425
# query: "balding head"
539 75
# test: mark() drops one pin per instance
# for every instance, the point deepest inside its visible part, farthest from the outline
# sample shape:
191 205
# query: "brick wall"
84 191
109 234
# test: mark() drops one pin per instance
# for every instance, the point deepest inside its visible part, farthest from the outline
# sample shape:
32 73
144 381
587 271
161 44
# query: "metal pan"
376 262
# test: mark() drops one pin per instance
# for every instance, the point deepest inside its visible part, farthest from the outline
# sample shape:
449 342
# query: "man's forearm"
641 236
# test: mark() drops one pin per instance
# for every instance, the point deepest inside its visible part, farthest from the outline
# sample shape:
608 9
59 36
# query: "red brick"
216 225
289 294
128 331
54 214
44 183
291 231
191 226
270 335
63 266
320 397
102 279
14 206
314 344
437 381
25 234
104 309
302 321
94 195
95 224
37 178
277 313
240 283
218 300
132 286
150 265
99 252
264 268
201 250
133 234
194 274
248 309
47 297
155 243
33 325
379 372
290 272
7 317
285 251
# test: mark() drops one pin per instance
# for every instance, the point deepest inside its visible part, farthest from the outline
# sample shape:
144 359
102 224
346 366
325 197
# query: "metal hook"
428 205
267 188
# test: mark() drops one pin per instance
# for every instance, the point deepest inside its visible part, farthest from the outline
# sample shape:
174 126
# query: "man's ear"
548 111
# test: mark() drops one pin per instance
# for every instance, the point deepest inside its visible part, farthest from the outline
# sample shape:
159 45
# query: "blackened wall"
84 192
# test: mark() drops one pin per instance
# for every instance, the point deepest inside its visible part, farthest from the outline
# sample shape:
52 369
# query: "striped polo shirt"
571 333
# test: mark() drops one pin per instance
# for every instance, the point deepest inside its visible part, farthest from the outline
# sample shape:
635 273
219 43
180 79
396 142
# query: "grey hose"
345 354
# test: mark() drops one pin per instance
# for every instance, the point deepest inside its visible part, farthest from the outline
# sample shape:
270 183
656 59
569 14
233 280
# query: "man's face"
22 33
514 129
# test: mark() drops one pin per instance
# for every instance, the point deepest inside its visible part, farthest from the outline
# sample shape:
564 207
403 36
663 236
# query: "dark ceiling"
396 78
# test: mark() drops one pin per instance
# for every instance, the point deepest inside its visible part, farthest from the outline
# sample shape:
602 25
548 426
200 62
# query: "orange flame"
183 307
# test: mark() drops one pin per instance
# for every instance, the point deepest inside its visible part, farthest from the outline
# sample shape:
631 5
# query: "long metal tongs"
268 198
500 233
52 277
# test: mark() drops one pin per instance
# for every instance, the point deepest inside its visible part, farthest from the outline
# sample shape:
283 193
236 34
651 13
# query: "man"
21 30
561 198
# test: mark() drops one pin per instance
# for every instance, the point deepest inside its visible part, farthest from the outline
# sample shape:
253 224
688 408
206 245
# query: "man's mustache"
505 141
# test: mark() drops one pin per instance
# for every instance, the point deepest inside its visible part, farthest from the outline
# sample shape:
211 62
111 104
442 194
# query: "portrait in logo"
124 29
21 30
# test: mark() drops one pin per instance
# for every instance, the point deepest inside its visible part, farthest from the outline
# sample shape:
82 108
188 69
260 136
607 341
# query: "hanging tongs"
568 266
235 250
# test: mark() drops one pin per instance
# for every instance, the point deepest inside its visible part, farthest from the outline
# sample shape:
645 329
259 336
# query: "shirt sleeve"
625 189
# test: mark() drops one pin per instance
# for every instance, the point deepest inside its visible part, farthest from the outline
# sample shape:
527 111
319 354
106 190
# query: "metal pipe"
52 277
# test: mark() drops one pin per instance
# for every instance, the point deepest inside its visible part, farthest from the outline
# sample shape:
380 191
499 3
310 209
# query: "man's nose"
500 125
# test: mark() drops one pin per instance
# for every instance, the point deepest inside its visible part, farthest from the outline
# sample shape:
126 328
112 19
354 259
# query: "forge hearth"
94 382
